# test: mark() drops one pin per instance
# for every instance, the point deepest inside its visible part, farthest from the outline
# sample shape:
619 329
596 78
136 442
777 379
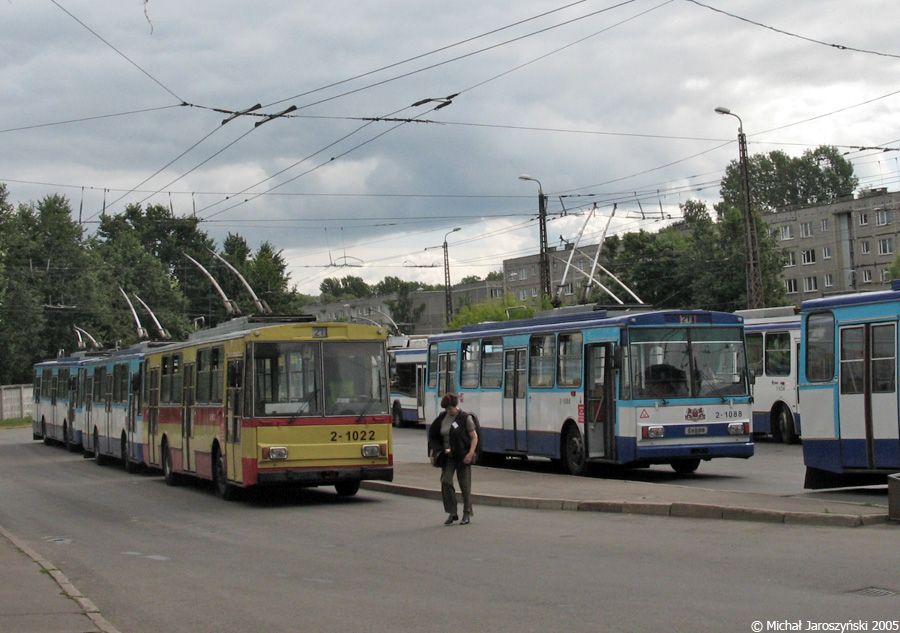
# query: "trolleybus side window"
852 359
570 355
491 363
542 360
884 359
432 365
820 347
47 384
755 353
446 373
120 383
99 380
469 358
778 354
62 385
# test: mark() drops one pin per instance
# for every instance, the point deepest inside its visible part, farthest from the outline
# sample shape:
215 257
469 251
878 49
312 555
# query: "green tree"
502 308
404 311
348 287
777 180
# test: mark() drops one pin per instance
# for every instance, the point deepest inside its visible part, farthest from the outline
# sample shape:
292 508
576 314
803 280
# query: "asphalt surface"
37 597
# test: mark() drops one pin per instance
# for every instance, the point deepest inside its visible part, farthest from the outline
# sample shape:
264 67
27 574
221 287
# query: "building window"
570 289
825 225
863 219
523 294
523 274
790 286
882 217
534 292
867 276
787 232
885 246
829 280
864 247
810 284
826 252
806 229
808 257
885 276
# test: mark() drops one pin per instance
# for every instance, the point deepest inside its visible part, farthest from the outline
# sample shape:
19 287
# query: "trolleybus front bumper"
324 477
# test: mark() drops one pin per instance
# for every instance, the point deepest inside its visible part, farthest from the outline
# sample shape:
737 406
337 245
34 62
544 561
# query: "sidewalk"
35 597
515 489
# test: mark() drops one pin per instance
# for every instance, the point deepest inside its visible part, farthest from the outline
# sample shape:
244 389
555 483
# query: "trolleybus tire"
574 460
169 474
347 488
44 435
99 457
686 466
397 416
775 425
786 423
220 479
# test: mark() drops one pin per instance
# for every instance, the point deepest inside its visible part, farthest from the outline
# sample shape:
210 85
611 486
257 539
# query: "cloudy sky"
604 102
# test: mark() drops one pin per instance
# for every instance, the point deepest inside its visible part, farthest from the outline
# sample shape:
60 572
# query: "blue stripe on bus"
836 455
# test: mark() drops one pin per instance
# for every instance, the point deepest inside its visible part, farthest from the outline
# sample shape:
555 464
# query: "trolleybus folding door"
152 421
599 398
134 404
234 381
514 390
187 417
868 398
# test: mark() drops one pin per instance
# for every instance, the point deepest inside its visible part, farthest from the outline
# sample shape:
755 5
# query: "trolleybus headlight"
275 452
371 450
653 432
739 428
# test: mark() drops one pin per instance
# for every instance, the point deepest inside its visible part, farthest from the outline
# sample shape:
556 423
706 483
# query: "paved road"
154 558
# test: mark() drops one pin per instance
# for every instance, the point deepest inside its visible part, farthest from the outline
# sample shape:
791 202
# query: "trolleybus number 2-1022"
353 436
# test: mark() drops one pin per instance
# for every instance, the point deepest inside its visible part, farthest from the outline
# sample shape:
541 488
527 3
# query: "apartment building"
845 246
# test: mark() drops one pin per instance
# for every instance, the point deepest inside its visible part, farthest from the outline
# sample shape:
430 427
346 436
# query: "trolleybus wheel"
99 457
573 458
44 435
396 416
347 488
686 466
786 424
169 473
220 478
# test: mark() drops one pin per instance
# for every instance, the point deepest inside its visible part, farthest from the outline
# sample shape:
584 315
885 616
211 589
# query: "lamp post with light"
755 292
544 260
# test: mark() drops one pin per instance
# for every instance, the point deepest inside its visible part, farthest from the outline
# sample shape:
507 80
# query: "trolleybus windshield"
319 378
687 362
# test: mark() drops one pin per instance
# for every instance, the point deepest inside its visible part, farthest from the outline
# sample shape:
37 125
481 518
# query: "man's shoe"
465 520
451 519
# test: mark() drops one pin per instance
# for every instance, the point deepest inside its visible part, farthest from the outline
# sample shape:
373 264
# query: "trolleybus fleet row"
263 400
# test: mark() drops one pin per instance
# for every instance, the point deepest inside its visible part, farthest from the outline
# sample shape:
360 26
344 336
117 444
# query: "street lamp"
544 261
448 298
755 293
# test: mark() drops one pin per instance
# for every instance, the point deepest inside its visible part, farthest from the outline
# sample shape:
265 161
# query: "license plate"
695 430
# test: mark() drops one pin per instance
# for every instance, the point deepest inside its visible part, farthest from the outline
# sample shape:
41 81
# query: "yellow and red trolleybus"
271 400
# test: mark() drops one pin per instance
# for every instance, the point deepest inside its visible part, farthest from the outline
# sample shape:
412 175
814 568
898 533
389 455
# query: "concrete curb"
671 509
89 608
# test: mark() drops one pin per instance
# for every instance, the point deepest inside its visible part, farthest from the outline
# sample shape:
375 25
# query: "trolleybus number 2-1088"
729 414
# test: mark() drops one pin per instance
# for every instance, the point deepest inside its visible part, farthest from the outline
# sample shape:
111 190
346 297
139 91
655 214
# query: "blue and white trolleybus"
663 387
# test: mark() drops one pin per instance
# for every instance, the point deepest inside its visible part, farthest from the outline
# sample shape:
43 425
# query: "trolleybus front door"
235 382
514 414
152 420
599 398
187 418
868 399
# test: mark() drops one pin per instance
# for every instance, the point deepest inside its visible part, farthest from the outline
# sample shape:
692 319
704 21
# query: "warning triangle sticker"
644 414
